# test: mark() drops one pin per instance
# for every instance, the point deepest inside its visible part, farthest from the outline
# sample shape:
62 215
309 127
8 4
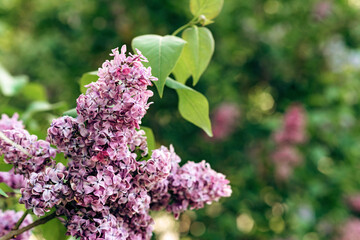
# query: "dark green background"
281 49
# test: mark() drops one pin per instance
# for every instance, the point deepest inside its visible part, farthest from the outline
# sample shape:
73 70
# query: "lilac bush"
292 133
108 187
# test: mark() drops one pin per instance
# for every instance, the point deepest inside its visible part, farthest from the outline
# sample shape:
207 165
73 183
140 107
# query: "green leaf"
209 8
3 193
86 79
11 85
181 70
53 230
6 188
72 113
162 53
4 167
199 50
60 158
34 92
193 106
150 138
39 106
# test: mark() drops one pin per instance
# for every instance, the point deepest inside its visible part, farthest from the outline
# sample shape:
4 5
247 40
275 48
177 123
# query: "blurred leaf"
4 167
86 79
53 230
72 113
181 70
11 85
193 106
3 193
39 106
34 92
198 50
150 138
6 188
162 53
209 8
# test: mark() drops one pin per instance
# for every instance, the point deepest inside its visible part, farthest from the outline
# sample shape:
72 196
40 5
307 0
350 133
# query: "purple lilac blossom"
191 186
8 221
105 192
32 156
109 187
46 189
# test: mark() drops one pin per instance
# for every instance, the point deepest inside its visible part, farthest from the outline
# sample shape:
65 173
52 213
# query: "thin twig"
40 221
21 219
189 24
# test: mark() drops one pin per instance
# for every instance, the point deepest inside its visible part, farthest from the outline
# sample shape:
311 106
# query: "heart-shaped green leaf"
209 8
34 92
10 85
181 70
53 229
87 78
198 50
39 106
162 53
193 106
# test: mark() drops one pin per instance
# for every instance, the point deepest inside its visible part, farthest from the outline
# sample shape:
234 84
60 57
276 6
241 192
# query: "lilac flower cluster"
292 133
189 186
26 153
8 221
46 189
107 190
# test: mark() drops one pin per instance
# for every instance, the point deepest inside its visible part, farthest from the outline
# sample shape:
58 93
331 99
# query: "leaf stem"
189 24
21 219
17 232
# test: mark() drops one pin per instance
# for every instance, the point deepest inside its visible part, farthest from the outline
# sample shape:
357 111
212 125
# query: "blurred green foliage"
268 55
